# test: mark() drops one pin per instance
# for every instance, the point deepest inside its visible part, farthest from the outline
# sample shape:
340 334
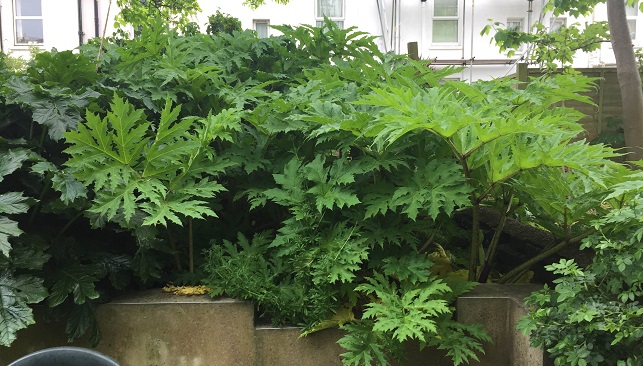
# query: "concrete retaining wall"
157 329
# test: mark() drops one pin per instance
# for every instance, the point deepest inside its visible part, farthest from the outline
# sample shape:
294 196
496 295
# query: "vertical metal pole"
80 23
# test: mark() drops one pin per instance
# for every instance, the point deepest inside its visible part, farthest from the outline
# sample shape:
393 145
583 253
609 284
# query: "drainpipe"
472 57
1 40
422 26
96 20
381 10
80 23
394 27
398 14
530 10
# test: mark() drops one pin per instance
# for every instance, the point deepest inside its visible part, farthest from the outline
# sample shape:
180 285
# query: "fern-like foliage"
409 303
167 170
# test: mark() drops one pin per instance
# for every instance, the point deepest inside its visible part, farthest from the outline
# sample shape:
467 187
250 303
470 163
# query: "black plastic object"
65 356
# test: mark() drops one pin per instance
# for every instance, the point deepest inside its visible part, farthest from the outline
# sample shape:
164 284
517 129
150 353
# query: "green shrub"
593 315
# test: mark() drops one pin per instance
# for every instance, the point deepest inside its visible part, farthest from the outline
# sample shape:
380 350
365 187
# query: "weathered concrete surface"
157 329
36 337
284 347
498 308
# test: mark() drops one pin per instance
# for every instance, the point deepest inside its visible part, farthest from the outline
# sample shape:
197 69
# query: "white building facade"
446 31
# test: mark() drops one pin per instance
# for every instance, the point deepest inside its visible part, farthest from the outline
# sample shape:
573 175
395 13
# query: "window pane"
514 25
445 31
445 8
29 31
631 24
28 8
557 23
262 29
340 23
631 11
330 8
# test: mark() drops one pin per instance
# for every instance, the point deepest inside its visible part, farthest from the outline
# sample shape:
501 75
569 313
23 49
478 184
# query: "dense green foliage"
314 173
220 22
593 315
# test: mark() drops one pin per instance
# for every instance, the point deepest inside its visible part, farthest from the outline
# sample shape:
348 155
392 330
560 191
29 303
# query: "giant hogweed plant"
341 170
46 252
167 173
379 146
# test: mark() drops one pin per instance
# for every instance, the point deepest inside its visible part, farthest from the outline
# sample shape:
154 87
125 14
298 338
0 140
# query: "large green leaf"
11 160
78 280
13 203
15 295
8 228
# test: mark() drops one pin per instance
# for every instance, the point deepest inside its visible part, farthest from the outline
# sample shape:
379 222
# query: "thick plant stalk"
191 245
491 253
542 255
177 259
475 243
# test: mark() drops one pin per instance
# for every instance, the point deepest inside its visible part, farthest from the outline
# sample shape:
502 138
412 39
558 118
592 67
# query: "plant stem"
69 223
493 246
191 245
36 208
475 241
177 259
542 255
102 39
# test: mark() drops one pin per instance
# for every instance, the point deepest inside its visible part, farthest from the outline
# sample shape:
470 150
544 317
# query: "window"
515 24
331 9
518 25
446 20
631 12
261 27
28 21
556 23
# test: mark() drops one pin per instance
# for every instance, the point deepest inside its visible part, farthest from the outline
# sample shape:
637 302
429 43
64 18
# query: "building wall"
61 26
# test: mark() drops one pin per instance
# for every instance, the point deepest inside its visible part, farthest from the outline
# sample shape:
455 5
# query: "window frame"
522 29
17 18
459 18
633 18
261 21
553 20
319 18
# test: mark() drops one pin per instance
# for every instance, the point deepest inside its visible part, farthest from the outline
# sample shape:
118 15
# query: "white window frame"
319 18
521 29
632 18
558 22
261 21
17 17
459 17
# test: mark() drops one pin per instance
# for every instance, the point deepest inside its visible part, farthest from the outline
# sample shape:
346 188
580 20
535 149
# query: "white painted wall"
60 22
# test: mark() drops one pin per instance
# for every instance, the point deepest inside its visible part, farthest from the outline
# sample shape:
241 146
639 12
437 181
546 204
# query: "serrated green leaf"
15 294
8 228
69 187
11 160
13 203
78 280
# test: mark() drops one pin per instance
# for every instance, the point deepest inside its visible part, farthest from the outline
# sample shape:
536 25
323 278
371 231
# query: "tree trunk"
629 79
